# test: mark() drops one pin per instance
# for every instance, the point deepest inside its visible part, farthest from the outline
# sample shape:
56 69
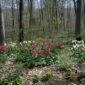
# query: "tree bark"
21 33
78 20
1 28
77 7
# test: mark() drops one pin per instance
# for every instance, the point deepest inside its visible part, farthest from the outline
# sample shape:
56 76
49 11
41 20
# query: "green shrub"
78 50
12 79
78 54
44 77
3 57
32 61
48 75
37 76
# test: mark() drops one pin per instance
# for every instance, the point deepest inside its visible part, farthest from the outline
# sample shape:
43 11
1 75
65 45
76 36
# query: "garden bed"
42 63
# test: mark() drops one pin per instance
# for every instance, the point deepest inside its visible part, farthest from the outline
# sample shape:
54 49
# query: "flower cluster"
3 47
44 52
78 50
42 47
77 44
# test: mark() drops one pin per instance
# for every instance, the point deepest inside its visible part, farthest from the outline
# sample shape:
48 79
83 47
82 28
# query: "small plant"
3 57
72 76
12 79
78 50
43 78
47 76
38 76
3 54
65 63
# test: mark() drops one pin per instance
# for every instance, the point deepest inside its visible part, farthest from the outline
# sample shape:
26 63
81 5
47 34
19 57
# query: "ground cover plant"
46 58
38 53
12 79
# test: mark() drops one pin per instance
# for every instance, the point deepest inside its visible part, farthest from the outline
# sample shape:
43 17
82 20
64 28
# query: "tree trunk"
31 13
12 19
78 21
77 7
1 28
21 33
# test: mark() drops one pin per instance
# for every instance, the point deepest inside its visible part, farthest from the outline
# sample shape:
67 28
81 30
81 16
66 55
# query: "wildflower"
40 52
33 46
74 41
61 46
30 42
21 44
12 44
24 42
47 51
74 46
33 52
3 47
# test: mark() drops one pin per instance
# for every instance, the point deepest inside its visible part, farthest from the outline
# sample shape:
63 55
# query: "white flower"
25 42
29 41
74 46
79 42
74 41
33 41
82 42
13 44
20 43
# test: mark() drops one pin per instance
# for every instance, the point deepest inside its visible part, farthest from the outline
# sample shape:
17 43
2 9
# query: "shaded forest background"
41 19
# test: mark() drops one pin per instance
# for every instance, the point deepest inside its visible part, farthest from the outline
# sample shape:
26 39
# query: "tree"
31 13
77 7
12 18
1 28
21 33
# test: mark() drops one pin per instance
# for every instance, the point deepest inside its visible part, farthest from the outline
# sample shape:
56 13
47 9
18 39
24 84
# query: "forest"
42 42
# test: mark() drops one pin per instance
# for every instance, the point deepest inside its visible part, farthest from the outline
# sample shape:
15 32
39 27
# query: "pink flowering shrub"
39 53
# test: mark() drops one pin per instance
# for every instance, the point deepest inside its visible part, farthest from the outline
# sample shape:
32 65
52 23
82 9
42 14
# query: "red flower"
33 46
3 47
33 52
47 44
40 52
61 46
48 51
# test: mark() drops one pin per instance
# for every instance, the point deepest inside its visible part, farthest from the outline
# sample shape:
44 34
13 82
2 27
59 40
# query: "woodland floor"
59 75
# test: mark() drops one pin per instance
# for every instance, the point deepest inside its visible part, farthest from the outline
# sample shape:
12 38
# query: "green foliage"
31 61
13 49
65 63
48 75
38 76
12 79
44 77
78 54
3 57
56 21
78 50
35 54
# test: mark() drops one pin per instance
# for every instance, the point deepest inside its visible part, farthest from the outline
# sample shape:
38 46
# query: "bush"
78 54
38 54
30 60
12 79
78 50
